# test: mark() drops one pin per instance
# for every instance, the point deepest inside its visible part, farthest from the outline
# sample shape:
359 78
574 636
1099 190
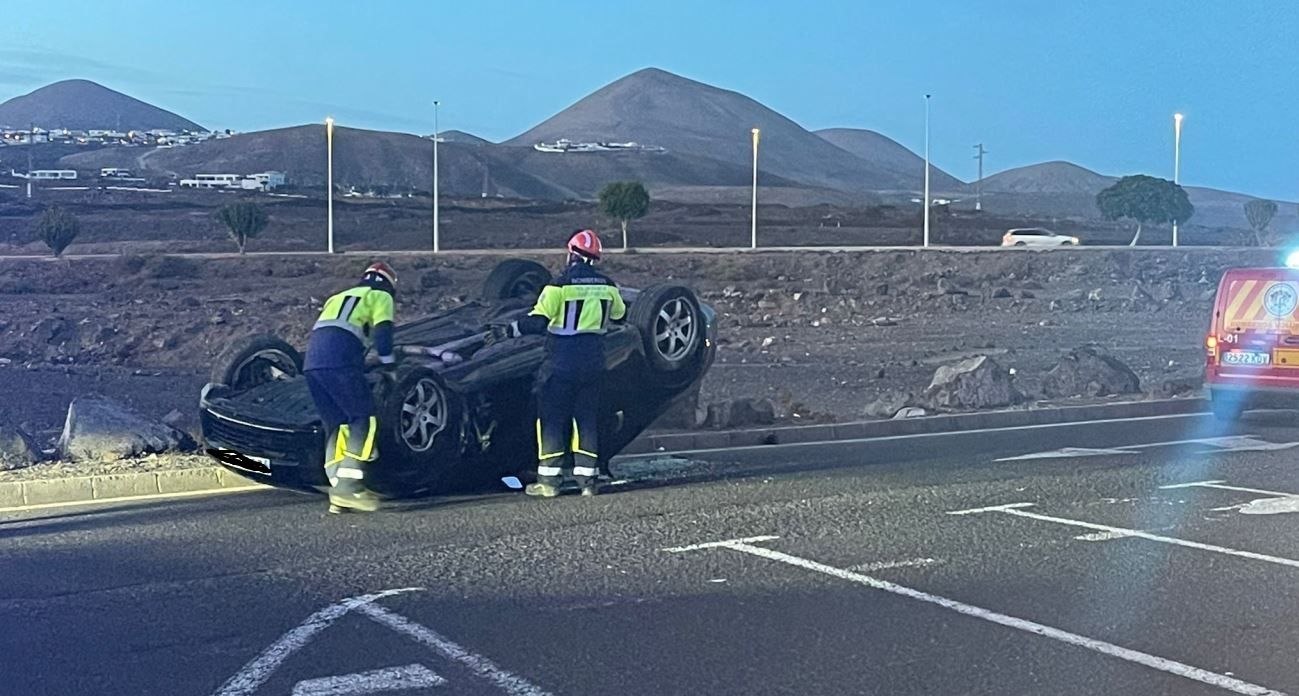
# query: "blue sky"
1095 82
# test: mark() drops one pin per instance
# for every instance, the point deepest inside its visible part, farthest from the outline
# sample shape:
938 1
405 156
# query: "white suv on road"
1036 236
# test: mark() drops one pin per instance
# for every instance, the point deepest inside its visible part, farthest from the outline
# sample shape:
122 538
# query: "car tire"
1227 408
1021 243
253 360
673 333
421 423
515 279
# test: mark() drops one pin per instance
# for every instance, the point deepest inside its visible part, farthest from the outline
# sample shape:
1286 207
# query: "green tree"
1259 213
57 228
624 201
1145 200
244 221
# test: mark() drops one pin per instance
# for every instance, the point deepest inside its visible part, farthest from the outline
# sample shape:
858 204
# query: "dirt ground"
821 334
183 221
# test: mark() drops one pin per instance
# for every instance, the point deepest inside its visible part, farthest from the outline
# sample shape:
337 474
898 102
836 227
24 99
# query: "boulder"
1002 293
98 428
683 414
1190 384
54 331
1090 371
888 404
947 287
910 412
739 413
977 382
17 448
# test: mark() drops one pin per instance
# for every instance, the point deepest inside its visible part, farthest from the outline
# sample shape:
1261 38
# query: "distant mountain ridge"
84 105
885 152
657 108
705 130
1047 177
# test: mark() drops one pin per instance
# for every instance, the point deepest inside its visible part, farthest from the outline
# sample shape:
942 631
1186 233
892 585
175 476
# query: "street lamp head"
1177 117
755 131
329 121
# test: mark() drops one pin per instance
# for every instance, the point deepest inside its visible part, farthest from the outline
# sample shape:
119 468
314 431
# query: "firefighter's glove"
502 332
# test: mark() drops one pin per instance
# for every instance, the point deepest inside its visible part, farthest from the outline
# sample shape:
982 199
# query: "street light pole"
753 242
1177 160
978 186
329 176
436 138
925 202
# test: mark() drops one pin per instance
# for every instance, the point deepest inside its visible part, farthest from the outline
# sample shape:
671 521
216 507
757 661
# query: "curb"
16 495
859 430
106 487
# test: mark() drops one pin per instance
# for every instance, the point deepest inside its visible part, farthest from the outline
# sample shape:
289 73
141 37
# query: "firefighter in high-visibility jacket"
574 310
334 368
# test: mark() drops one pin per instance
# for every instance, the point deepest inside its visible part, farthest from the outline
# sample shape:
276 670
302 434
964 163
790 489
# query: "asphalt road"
862 580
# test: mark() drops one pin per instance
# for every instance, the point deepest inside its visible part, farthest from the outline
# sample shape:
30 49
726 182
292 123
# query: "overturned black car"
460 409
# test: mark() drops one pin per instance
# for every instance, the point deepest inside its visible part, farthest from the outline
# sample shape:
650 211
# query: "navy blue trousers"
346 407
568 421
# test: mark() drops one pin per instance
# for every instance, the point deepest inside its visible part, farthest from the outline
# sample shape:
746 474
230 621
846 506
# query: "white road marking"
256 672
712 544
1270 506
1220 445
1248 443
1103 536
1019 512
1222 486
888 565
924 436
1189 484
1165 665
507 681
990 508
377 681
1067 452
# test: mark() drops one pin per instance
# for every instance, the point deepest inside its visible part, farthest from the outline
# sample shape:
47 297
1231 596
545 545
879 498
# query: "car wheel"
515 279
254 360
1021 244
672 330
423 425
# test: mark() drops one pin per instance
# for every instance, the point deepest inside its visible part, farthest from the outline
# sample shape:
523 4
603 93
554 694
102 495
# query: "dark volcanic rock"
98 428
977 382
1090 371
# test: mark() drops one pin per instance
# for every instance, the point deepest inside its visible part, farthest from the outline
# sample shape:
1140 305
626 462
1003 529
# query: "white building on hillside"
46 174
264 181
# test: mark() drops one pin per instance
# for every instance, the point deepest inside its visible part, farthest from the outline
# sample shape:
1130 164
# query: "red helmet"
382 270
586 244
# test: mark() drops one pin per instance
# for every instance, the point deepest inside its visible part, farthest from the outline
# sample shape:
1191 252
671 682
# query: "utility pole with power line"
978 185
31 142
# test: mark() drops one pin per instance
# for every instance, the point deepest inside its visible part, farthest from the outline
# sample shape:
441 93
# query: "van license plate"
1245 357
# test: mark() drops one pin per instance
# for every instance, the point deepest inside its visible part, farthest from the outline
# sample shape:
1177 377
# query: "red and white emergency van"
1252 349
